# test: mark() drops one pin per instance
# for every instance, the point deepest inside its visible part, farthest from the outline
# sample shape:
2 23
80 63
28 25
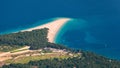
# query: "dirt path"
7 55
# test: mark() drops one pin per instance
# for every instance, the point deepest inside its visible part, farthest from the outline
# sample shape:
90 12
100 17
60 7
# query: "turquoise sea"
95 24
103 39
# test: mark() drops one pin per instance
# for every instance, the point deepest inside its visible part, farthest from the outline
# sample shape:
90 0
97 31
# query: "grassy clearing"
24 60
20 49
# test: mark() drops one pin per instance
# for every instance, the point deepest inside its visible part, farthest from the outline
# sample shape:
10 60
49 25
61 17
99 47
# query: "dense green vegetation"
35 39
6 48
88 60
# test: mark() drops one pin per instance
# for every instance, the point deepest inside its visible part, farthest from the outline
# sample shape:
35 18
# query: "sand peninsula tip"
53 27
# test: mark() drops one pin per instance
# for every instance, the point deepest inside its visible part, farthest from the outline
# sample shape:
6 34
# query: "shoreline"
53 27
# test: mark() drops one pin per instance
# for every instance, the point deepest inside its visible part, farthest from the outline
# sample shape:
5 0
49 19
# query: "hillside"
87 60
32 50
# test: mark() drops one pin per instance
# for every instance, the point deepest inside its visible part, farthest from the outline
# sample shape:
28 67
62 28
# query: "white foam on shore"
53 27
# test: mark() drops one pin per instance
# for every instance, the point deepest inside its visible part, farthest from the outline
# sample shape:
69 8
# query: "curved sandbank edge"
53 27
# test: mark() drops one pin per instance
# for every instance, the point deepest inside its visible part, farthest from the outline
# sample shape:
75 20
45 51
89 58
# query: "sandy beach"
53 26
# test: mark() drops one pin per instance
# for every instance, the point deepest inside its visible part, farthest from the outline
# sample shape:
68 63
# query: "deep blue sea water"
95 25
